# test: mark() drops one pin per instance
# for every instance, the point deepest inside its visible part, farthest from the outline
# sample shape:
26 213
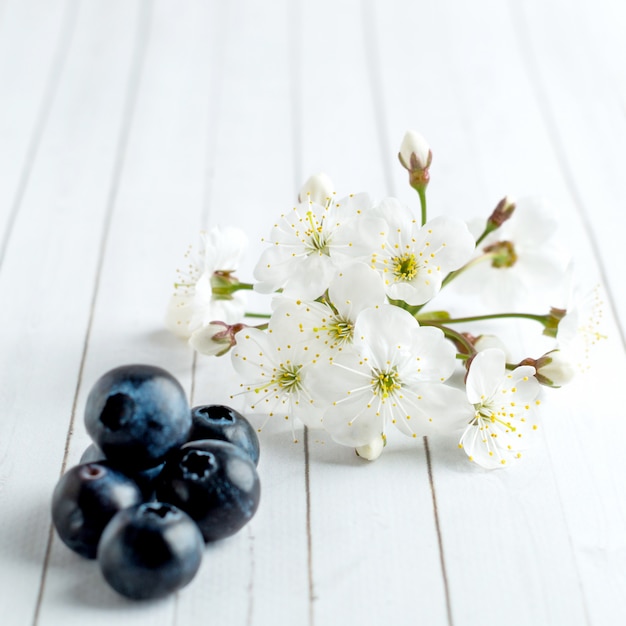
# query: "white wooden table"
127 125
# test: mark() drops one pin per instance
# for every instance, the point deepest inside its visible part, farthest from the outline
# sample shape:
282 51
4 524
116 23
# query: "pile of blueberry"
159 481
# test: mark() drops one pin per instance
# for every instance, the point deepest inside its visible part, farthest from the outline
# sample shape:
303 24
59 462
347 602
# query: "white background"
126 126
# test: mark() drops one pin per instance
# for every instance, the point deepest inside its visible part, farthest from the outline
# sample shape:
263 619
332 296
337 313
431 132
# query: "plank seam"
309 538
442 559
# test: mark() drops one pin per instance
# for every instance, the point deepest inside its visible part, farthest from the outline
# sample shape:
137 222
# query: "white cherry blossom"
392 374
274 370
581 327
525 263
329 324
415 259
195 302
504 403
309 243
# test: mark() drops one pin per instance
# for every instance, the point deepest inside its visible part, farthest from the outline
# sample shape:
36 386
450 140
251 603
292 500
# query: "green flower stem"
421 190
489 228
479 259
264 316
432 316
226 290
261 326
542 319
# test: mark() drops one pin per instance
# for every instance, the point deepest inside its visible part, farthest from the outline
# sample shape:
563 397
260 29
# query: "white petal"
480 447
446 242
356 288
533 222
397 215
309 277
432 356
432 408
223 248
272 269
355 421
379 333
423 288
254 356
357 238
522 384
485 374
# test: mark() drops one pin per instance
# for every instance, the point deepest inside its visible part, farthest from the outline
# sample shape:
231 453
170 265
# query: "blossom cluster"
352 344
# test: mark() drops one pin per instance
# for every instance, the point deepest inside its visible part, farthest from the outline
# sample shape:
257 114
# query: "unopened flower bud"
415 152
552 321
553 369
416 156
318 188
501 213
215 339
484 342
372 450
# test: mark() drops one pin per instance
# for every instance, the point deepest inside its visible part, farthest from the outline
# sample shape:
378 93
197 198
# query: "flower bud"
215 339
372 450
553 369
485 342
552 321
318 188
415 152
503 211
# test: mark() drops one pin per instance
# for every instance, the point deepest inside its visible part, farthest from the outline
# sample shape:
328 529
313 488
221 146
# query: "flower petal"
485 373
356 288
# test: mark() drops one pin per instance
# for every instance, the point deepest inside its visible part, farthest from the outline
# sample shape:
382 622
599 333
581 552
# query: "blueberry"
136 414
214 421
215 482
144 478
92 454
150 550
85 499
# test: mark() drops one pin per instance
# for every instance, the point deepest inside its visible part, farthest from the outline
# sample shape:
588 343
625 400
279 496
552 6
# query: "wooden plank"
593 120
156 187
192 114
34 38
59 224
369 563
503 533
251 180
582 103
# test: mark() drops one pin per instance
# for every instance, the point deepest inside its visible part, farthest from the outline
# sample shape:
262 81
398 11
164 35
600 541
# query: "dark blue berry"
145 479
136 414
215 421
215 482
85 499
150 551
